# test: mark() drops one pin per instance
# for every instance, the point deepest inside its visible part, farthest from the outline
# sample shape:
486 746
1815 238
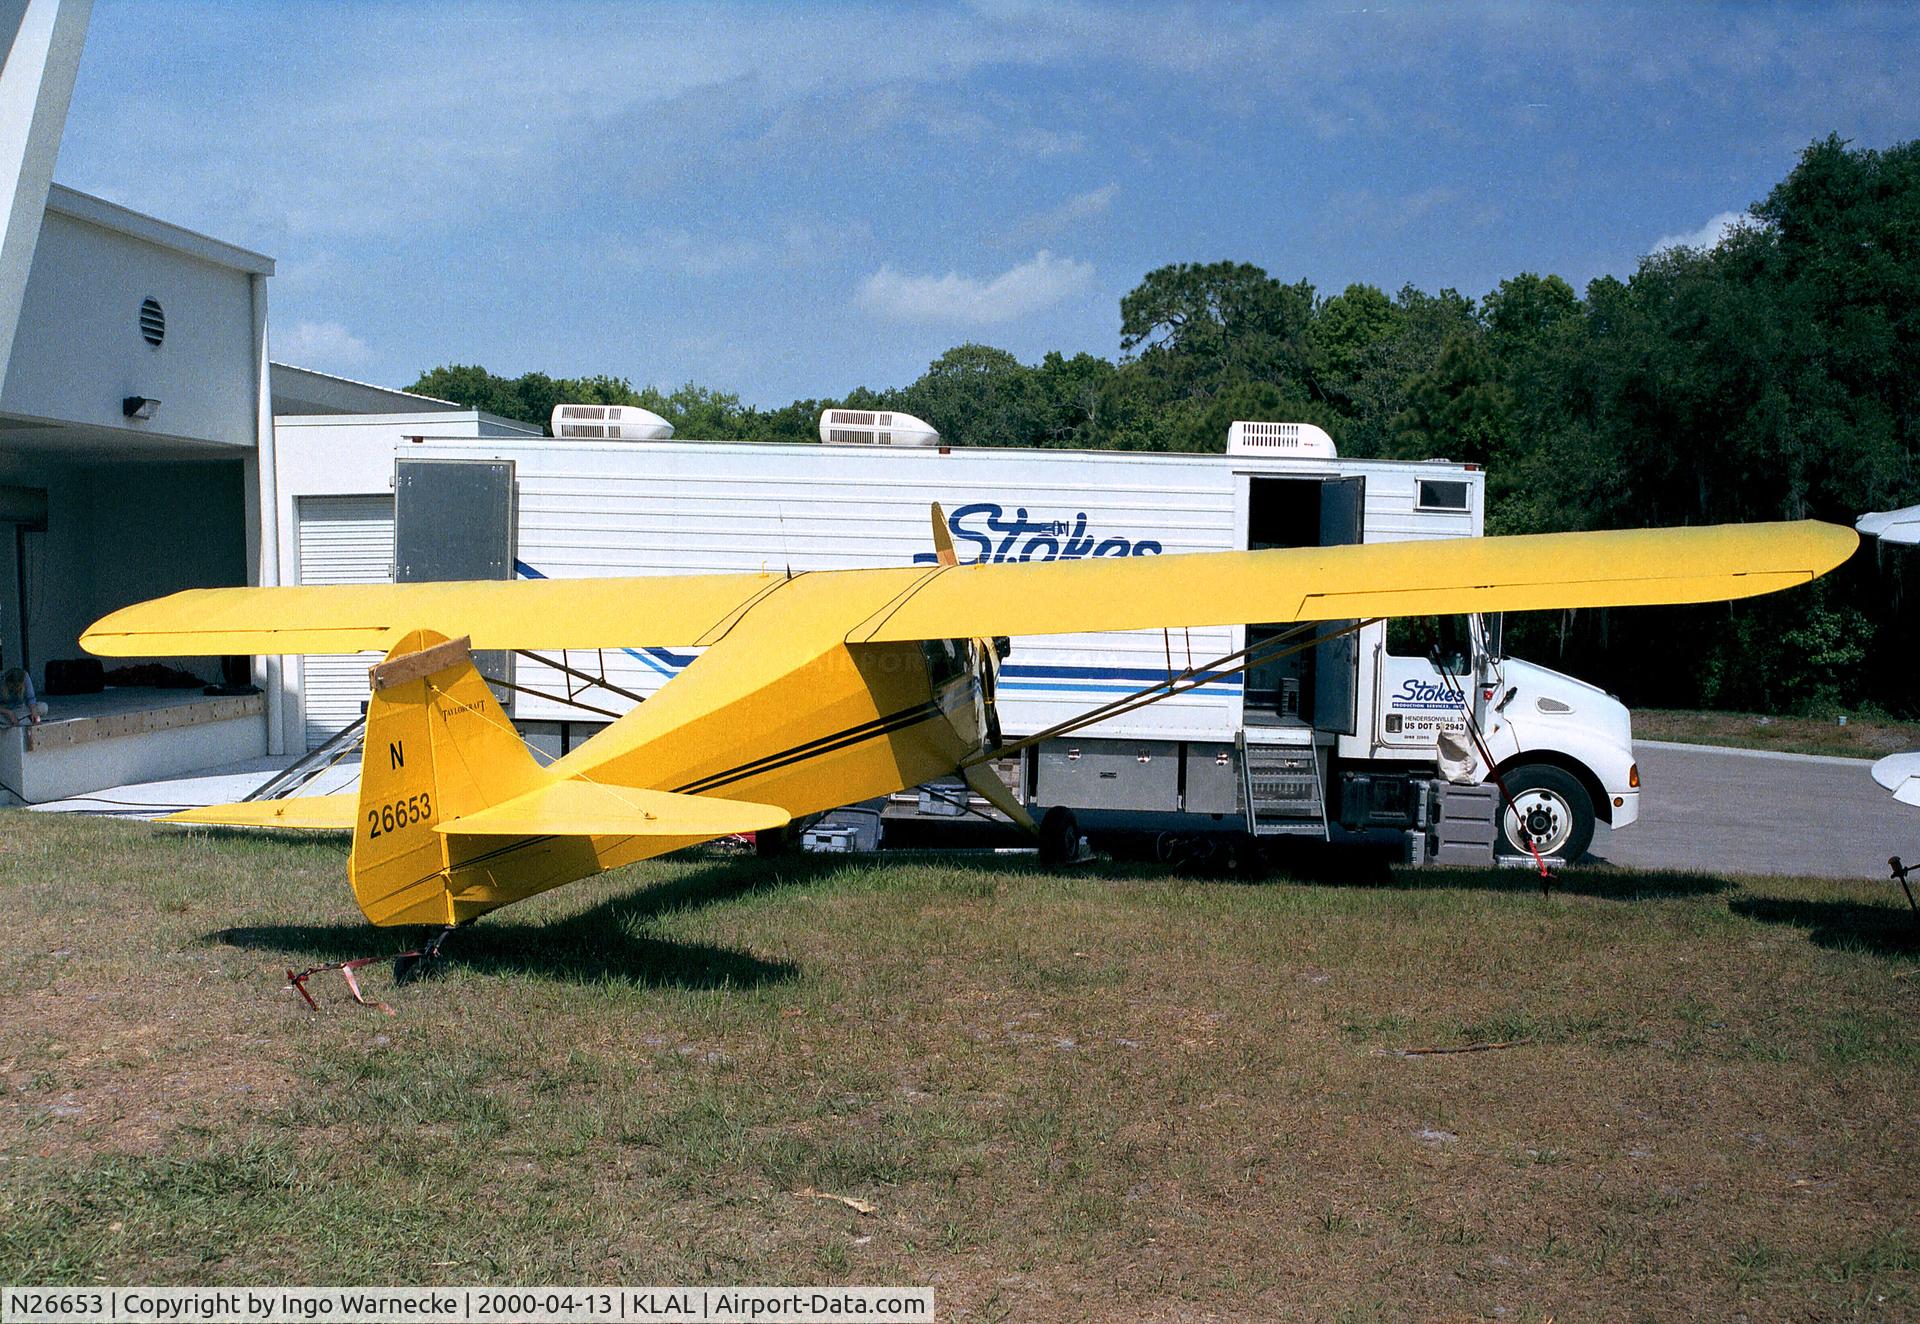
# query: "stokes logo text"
1425 694
995 537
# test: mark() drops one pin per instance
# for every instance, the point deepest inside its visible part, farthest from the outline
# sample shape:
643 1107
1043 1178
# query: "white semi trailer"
1342 738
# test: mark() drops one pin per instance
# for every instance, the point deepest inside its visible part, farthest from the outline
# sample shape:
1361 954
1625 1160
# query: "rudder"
438 746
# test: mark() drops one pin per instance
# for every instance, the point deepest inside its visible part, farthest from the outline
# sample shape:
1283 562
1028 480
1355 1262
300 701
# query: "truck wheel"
1059 837
1551 813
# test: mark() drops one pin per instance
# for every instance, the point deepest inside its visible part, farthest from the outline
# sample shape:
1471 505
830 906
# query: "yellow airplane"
819 689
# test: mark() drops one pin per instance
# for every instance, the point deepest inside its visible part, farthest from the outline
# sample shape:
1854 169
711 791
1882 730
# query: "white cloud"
1389 214
1080 207
694 254
311 273
325 346
798 243
1708 235
1036 141
968 300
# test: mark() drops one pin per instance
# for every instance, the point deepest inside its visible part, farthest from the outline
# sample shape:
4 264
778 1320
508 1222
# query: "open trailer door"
1336 667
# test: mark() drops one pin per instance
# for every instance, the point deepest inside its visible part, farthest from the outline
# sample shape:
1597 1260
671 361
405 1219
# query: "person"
19 706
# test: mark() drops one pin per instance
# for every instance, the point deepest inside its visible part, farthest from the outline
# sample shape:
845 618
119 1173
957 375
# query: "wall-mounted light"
138 406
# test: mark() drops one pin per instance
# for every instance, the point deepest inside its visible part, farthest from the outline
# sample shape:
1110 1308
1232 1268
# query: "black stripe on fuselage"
953 695
827 744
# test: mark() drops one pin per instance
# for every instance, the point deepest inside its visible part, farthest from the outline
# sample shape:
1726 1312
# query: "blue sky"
786 200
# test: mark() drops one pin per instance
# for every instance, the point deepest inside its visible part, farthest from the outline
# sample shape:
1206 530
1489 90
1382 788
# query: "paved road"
1737 811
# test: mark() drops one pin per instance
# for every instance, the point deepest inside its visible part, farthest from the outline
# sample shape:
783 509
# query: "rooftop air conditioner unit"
609 423
1300 441
867 427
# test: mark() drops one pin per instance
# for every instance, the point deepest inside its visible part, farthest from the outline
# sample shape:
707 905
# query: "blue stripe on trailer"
1094 673
666 663
1059 687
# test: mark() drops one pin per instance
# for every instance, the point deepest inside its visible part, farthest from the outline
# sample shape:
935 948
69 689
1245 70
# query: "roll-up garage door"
343 540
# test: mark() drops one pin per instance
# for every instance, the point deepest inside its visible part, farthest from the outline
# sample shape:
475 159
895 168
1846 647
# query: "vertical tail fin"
438 746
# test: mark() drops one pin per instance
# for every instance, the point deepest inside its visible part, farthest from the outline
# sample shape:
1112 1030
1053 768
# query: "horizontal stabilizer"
318 812
595 809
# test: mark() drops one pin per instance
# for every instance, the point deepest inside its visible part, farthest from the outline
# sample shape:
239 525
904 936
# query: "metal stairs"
1283 787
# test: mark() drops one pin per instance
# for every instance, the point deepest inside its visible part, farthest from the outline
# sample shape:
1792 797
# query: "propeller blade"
942 539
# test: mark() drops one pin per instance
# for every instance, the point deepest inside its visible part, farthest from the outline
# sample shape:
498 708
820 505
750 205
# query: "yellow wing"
1626 568
595 809
661 611
1633 567
319 812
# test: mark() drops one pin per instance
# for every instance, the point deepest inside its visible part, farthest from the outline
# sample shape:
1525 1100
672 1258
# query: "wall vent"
153 322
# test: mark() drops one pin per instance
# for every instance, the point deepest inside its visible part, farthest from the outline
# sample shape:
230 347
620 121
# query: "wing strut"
591 681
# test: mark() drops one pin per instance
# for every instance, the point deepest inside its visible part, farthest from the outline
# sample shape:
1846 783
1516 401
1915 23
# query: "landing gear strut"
411 966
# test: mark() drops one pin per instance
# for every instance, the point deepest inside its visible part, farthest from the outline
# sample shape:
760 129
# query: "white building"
137 404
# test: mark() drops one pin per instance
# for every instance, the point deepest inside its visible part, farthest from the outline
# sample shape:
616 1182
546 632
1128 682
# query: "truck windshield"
1420 636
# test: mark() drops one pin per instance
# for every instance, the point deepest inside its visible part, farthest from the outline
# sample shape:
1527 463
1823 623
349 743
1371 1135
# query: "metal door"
453 520
340 540
1336 666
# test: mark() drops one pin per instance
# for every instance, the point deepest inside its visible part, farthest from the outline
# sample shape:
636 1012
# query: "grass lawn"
1859 738
1104 1094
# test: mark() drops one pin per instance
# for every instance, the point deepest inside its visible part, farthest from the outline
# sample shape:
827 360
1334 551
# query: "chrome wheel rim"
1539 819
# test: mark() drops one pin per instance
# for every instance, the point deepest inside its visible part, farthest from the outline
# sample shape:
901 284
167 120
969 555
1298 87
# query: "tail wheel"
1059 837
1550 813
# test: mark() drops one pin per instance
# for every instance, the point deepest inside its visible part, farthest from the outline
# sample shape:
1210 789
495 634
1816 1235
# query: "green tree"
1523 308
1457 408
471 385
1198 328
1068 393
1385 368
1344 332
699 413
976 395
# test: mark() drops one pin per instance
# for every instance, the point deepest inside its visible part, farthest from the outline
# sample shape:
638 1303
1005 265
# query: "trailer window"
1442 494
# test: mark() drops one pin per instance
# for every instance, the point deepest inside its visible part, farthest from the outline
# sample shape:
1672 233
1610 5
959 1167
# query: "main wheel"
1059 837
1551 813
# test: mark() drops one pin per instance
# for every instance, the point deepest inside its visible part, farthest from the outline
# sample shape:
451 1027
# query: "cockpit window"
946 660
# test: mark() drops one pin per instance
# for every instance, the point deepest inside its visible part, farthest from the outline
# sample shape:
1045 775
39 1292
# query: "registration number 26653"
401 813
